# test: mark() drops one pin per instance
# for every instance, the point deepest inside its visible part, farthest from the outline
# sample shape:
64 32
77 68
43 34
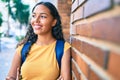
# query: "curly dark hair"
56 30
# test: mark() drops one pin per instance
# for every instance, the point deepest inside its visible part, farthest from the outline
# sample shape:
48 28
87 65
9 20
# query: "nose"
37 19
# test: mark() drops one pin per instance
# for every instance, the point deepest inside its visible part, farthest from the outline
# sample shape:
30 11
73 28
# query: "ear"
54 22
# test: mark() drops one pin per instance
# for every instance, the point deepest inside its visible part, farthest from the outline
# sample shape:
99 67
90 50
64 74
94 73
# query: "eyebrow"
40 13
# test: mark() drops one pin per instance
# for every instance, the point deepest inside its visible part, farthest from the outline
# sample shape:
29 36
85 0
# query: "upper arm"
16 62
65 67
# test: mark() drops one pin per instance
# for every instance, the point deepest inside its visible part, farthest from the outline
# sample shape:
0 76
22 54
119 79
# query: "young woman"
41 64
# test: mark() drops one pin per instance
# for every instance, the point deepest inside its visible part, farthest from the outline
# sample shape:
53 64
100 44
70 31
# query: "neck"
45 39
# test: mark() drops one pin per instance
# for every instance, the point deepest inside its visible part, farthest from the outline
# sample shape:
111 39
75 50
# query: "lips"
37 27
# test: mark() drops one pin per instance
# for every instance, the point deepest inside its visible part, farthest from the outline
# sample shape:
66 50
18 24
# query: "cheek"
48 23
31 22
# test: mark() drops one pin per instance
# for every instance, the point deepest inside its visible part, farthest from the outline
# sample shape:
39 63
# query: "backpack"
59 49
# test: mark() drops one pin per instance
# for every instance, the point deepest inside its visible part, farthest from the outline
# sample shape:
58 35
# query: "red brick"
77 44
73 77
82 65
72 18
73 31
81 2
107 29
62 1
75 5
114 65
98 55
66 33
84 29
64 8
73 1
95 6
69 2
78 14
77 74
93 76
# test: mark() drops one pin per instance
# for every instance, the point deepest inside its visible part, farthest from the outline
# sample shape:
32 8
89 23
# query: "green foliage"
19 38
21 12
9 8
1 19
5 0
1 33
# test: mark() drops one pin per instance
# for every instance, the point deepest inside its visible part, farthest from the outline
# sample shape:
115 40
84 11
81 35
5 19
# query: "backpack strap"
59 49
25 51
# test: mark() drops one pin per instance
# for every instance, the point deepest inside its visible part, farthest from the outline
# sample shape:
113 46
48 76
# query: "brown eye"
33 15
42 17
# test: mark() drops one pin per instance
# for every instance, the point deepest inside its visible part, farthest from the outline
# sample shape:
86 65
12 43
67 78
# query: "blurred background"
14 18
91 26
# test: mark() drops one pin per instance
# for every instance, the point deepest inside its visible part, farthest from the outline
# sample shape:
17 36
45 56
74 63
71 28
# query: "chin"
36 32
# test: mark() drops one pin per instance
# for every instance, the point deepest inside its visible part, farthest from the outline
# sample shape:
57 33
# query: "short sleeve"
18 50
66 46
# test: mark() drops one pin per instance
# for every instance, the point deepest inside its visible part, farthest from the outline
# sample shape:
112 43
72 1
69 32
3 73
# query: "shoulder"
19 48
66 46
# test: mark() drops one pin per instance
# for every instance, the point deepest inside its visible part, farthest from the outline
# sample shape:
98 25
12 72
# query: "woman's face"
42 21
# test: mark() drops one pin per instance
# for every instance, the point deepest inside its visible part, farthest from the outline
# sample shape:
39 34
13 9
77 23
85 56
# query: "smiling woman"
43 34
42 20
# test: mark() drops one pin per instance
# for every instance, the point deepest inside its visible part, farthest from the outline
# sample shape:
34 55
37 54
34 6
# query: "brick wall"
64 8
95 39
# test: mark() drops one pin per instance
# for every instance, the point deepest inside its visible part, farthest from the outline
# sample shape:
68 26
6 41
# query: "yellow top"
41 63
